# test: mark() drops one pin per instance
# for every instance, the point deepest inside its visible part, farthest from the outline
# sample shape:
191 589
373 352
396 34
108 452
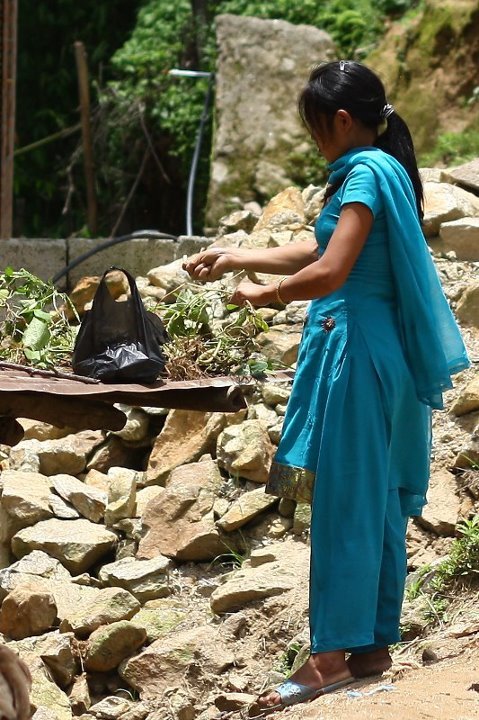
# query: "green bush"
452 149
145 121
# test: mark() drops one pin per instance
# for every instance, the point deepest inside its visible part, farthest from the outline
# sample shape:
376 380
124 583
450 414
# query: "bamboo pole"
89 166
8 65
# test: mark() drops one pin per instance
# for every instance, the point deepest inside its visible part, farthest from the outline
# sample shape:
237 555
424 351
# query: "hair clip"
342 65
387 111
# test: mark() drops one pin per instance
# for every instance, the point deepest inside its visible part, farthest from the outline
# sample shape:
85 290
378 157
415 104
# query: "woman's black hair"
351 86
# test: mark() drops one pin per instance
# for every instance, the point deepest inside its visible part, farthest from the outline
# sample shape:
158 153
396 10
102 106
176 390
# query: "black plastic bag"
119 341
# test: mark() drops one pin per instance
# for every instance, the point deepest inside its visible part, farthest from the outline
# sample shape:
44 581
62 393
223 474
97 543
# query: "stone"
186 436
35 564
79 695
166 661
247 507
234 701
121 495
145 579
266 415
170 277
467 309
258 153
36 430
460 236
280 343
237 220
274 394
107 606
65 455
45 694
144 496
468 400
116 708
159 617
245 450
469 456
95 478
283 210
466 175
289 568
110 644
443 203
27 611
302 518
61 509
88 501
26 497
56 651
443 504
78 544
180 522
136 427
111 453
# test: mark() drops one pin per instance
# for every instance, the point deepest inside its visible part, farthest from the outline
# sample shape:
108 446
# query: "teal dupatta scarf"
431 339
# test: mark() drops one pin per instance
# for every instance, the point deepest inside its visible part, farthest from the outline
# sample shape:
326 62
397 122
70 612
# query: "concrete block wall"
46 257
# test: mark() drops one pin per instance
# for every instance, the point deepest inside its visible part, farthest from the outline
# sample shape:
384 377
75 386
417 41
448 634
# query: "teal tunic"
356 435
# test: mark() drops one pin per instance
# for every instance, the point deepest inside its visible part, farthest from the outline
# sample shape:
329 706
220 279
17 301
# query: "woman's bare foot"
369 663
319 670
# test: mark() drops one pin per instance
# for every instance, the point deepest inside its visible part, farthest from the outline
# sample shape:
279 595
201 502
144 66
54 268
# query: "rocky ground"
147 575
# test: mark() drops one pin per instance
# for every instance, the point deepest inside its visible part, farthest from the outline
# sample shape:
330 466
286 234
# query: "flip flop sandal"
293 693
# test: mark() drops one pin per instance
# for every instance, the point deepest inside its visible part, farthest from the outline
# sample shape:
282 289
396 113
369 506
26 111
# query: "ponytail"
354 87
396 140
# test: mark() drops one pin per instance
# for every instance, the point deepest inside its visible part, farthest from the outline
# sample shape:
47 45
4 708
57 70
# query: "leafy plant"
34 328
460 567
210 337
452 149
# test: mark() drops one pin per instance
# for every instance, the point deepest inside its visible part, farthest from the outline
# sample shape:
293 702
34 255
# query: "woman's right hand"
211 264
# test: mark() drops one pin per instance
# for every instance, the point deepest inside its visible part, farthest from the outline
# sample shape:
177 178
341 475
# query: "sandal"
293 693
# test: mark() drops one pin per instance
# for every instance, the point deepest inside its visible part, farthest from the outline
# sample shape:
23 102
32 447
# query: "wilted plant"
34 328
203 344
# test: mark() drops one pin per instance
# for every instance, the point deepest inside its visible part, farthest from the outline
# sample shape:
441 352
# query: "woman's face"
327 138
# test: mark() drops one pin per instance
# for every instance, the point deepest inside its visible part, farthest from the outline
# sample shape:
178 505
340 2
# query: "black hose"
138 234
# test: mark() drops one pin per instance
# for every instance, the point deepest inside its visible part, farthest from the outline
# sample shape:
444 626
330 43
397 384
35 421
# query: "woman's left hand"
257 295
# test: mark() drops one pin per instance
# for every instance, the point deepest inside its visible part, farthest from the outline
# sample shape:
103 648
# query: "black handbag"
119 341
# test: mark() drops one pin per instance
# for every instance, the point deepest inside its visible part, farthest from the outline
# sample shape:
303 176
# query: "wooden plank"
8 59
74 412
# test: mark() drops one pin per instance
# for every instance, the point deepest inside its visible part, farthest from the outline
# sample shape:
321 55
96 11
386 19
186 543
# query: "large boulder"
26 497
166 662
260 146
78 544
245 450
145 579
107 606
110 644
270 571
180 522
27 611
185 437
88 501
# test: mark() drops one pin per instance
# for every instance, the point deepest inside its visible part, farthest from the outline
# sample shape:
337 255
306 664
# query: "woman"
378 347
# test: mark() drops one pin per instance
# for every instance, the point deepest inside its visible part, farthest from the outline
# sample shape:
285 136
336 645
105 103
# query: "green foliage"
47 100
145 121
34 329
453 149
437 585
202 345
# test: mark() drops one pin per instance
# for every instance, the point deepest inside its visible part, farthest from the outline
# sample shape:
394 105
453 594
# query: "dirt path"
448 690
